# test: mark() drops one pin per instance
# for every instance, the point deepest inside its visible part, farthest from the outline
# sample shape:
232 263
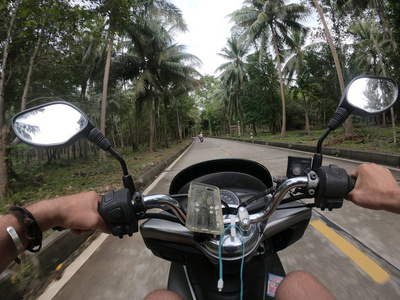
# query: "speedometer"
229 197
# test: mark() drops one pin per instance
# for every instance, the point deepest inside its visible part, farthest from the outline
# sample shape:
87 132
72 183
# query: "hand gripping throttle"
334 185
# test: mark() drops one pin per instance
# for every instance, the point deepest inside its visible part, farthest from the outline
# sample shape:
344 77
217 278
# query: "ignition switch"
244 219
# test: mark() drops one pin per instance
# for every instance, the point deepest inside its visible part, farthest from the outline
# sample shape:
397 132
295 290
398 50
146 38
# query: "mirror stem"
127 178
99 139
322 139
120 159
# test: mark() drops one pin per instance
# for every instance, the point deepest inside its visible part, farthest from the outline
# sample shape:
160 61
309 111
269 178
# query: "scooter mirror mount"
59 124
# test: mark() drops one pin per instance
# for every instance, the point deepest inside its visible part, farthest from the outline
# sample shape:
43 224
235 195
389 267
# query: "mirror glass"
54 124
372 94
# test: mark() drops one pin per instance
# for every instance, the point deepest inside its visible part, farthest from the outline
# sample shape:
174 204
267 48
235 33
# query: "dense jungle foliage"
118 61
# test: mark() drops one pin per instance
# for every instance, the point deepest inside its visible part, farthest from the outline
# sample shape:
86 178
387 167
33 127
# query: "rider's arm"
78 212
376 188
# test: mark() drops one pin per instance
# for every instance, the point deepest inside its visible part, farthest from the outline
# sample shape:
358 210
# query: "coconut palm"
147 40
233 74
177 76
277 17
159 68
296 54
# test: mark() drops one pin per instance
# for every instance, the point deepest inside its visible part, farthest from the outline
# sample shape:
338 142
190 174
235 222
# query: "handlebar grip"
117 211
352 183
334 184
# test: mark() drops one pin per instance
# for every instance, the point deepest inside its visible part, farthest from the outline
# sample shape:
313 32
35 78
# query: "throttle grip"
117 211
334 185
352 183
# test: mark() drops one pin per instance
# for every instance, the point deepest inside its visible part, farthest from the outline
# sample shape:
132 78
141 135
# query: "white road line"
53 288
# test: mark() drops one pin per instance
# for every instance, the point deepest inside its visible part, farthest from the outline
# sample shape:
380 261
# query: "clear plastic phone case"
204 212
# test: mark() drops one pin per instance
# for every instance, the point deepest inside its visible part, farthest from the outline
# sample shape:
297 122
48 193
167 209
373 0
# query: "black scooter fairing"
218 166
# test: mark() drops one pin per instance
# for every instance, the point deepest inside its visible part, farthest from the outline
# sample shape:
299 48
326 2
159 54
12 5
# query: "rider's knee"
302 285
163 295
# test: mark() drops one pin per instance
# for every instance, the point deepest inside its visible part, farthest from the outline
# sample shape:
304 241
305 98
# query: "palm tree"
175 77
356 7
348 122
297 54
156 65
304 89
233 74
131 15
278 18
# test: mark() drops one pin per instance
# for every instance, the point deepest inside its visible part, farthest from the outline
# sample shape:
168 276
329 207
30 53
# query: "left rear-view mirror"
50 125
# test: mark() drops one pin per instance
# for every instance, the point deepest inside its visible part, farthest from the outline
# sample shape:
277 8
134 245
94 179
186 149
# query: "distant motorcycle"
224 220
201 139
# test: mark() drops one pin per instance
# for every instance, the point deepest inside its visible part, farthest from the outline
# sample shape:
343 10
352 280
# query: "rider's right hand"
376 188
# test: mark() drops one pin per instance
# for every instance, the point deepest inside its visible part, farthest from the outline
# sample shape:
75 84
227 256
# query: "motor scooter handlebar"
331 184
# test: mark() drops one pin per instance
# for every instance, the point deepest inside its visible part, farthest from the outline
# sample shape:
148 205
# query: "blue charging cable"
221 241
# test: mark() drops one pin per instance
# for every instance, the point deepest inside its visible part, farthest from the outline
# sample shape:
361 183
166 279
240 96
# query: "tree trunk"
136 128
283 130
384 120
3 164
105 87
254 129
131 139
151 112
378 50
83 99
165 124
178 121
30 70
3 126
383 17
307 121
348 123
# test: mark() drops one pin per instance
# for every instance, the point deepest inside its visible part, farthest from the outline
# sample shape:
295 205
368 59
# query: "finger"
354 173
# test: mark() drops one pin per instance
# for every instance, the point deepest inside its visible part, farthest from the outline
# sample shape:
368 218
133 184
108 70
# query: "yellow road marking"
363 261
227 153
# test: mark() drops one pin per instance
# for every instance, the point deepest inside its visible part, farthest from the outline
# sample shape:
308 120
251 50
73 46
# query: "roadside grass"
365 138
64 177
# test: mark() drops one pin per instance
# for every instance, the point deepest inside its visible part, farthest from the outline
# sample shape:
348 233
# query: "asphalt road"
357 259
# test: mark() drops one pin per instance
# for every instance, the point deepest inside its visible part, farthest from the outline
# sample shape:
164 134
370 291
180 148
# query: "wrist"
392 202
45 212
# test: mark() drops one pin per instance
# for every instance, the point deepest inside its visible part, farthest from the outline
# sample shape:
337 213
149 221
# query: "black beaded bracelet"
30 226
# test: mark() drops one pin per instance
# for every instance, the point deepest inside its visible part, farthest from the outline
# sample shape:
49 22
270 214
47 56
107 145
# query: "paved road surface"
126 269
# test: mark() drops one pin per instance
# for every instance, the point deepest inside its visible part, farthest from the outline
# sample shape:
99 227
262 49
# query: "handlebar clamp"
117 211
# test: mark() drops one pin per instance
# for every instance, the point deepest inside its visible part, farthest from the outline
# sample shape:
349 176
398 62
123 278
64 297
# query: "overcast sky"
209 29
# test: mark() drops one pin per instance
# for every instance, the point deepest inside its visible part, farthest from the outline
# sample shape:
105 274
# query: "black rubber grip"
117 211
352 183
